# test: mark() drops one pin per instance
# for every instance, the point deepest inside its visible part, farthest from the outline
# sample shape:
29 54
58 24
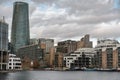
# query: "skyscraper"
3 35
20 26
3 45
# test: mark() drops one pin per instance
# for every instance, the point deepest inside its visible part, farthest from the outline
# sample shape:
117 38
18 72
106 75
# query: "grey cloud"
86 14
110 31
63 31
87 19
6 12
47 2
98 11
80 17
3 1
76 30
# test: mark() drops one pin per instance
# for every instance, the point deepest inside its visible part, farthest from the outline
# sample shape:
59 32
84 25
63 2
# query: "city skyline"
98 18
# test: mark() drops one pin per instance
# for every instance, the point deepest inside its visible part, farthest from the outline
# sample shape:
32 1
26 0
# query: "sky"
69 19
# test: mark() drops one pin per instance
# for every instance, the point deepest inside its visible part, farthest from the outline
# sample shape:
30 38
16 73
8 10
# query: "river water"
60 75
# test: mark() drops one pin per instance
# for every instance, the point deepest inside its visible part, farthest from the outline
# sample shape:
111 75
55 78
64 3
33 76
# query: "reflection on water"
60 75
3 76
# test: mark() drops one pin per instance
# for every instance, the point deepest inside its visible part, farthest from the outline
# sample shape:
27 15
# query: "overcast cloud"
69 19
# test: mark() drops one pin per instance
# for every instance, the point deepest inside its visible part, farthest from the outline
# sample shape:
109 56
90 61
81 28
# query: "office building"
34 41
3 35
3 45
20 26
58 62
84 42
45 44
30 55
67 46
52 57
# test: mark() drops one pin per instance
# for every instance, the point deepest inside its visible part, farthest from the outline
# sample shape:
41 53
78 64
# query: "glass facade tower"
20 26
3 45
3 36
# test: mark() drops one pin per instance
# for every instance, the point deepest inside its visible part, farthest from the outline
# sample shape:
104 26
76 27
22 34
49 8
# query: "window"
9 67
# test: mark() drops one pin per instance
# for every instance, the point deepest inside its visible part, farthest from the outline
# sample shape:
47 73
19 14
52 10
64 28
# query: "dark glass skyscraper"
20 26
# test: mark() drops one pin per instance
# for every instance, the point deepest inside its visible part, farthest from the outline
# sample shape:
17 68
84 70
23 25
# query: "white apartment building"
108 56
107 43
14 62
80 58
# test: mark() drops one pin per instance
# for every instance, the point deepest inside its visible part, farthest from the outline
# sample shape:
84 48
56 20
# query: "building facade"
82 58
58 62
45 44
31 51
107 56
20 26
30 54
34 41
3 36
52 57
3 45
67 46
84 42
14 62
